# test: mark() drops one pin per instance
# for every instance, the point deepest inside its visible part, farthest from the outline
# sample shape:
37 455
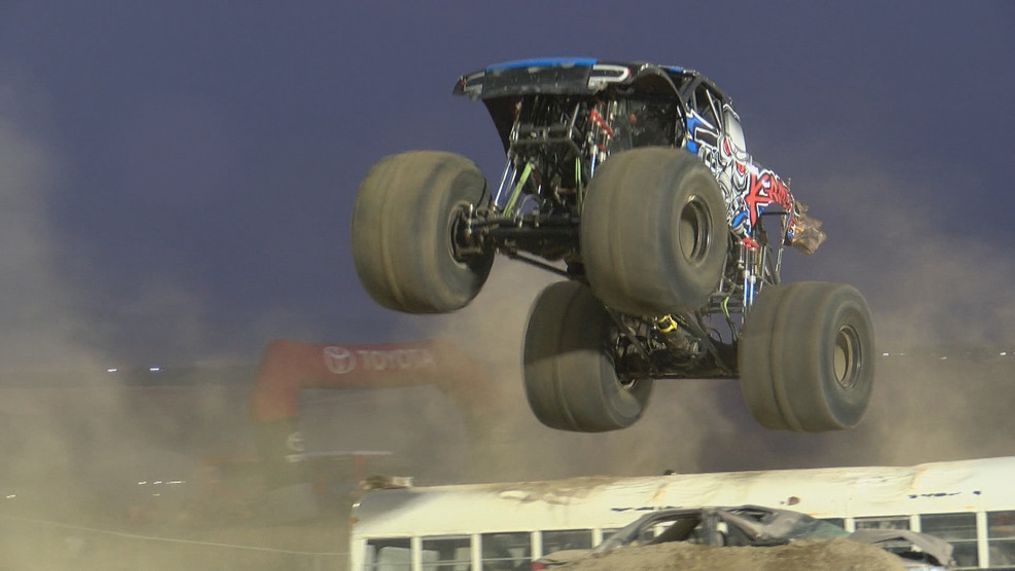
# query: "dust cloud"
942 314
46 438
511 444
77 440
92 458
943 307
40 334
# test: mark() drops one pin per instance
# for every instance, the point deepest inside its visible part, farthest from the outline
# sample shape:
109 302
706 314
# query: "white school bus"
480 527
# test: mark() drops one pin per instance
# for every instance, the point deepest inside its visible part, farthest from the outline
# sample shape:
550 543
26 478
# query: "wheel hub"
463 244
847 357
693 231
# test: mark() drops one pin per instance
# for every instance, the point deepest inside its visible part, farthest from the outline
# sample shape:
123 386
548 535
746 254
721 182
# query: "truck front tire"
654 236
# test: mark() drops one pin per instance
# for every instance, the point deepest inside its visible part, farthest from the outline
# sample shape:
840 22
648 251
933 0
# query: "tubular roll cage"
528 218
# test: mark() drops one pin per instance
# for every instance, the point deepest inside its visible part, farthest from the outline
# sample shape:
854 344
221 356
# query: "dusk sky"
194 164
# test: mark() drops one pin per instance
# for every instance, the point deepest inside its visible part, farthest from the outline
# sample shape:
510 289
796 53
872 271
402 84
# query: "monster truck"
632 181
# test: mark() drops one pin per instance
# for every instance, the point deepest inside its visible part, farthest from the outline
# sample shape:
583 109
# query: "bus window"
566 539
650 533
506 551
1001 539
959 529
607 532
887 522
836 521
447 553
389 555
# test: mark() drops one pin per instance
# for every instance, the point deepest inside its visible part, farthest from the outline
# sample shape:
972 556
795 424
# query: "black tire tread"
569 382
400 239
631 255
754 356
784 357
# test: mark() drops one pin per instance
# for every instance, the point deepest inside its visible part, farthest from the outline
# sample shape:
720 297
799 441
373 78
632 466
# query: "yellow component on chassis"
666 324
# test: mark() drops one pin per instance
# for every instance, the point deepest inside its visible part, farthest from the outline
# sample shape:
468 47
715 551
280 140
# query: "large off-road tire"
806 357
403 226
570 380
654 236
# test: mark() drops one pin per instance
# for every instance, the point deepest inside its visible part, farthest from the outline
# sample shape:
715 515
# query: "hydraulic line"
578 182
509 207
509 175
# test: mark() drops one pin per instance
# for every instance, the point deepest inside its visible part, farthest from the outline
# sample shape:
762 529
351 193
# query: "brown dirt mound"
839 554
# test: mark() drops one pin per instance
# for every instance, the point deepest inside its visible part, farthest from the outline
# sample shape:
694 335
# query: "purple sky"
205 155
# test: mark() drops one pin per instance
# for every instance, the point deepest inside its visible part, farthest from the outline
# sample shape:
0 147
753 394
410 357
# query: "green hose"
518 189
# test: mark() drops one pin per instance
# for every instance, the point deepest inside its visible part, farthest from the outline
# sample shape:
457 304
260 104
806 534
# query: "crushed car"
755 526
633 181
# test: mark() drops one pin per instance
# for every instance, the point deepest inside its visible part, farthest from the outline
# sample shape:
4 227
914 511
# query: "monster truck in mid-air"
633 181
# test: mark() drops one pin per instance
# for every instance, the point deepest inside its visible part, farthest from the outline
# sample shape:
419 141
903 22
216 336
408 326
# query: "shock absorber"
506 181
599 135
748 262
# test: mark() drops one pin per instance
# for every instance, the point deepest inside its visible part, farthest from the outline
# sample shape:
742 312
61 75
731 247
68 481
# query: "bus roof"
938 487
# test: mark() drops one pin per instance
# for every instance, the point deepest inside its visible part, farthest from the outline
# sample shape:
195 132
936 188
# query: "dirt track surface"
838 554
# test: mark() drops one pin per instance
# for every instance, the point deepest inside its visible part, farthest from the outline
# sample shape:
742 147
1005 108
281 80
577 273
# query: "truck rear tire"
806 357
654 236
403 232
570 379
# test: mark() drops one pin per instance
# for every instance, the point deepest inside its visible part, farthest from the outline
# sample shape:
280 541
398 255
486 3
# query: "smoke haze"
940 306
177 181
77 452
77 439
